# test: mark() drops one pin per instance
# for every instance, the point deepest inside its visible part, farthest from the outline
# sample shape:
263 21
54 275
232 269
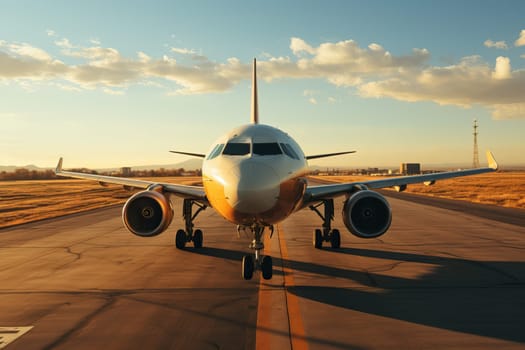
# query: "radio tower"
475 155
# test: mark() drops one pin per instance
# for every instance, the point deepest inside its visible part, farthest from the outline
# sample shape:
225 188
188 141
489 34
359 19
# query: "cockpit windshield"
266 149
257 149
236 149
289 151
216 151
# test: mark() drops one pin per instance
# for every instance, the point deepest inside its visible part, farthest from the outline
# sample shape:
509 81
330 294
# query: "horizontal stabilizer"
328 155
198 155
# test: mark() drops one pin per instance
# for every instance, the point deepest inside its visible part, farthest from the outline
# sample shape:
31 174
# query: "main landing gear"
326 234
189 235
251 263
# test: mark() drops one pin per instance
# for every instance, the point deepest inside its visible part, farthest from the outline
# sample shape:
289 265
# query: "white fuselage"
255 174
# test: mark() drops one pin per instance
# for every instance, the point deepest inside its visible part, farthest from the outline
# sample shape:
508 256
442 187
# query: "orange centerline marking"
264 324
297 332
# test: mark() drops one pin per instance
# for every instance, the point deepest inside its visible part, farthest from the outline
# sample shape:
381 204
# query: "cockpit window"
266 149
289 151
216 151
236 149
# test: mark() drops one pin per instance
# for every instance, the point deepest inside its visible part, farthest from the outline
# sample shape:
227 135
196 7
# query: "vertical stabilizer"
255 105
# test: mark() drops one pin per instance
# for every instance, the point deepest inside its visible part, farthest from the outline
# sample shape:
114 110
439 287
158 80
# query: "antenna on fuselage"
255 105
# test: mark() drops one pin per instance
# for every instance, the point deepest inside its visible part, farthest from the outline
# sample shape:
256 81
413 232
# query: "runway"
438 278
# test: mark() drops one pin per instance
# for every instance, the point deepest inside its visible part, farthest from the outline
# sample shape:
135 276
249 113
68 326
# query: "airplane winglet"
59 166
492 161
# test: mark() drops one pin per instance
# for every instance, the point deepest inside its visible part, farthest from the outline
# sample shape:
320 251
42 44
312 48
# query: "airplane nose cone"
256 188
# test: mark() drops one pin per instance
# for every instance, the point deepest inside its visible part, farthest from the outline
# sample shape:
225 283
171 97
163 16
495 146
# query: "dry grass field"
26 201
506 189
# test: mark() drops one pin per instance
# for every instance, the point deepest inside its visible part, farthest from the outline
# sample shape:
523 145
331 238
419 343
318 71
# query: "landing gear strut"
326 233
251 263
189 235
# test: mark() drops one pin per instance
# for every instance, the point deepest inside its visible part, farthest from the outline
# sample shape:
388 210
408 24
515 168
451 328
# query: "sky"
120 83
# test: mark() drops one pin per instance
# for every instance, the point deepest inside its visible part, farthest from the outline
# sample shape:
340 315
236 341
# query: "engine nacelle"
147 213
367 214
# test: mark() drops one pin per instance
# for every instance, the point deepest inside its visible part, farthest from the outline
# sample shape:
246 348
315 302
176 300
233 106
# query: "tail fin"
255 105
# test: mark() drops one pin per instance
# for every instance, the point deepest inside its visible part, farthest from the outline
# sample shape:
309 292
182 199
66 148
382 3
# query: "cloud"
183 51
345 63
502 69
508 111
204 76
64 43
341 63
105 67
113 92
23 61
496 44
521 40
372 71
143 57
298 46
469 82
28 51
310 92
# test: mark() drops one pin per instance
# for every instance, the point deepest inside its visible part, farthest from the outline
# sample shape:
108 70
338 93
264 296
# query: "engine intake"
367 214
147 213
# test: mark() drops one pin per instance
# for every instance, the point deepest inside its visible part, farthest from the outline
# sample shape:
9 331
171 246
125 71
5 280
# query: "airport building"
410 168
125 171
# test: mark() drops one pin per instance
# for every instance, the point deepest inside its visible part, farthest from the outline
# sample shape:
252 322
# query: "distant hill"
30 167
190 164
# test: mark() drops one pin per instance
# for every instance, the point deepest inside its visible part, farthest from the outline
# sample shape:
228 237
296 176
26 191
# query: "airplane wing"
198 155
317 193
193 192
316 156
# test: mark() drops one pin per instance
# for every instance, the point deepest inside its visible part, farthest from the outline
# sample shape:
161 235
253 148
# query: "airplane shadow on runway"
482 298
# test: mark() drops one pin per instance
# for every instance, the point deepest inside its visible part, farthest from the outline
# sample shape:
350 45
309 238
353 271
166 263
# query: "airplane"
255 176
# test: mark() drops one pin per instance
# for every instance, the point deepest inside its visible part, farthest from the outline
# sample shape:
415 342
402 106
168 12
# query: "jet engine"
367 214
147 213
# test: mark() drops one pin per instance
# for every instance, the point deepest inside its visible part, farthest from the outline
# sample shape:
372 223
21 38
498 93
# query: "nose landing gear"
252 263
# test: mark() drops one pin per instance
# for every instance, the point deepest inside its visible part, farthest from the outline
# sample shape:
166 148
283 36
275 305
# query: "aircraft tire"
317 238
335 239
180 239
247 267
267 267
197 239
